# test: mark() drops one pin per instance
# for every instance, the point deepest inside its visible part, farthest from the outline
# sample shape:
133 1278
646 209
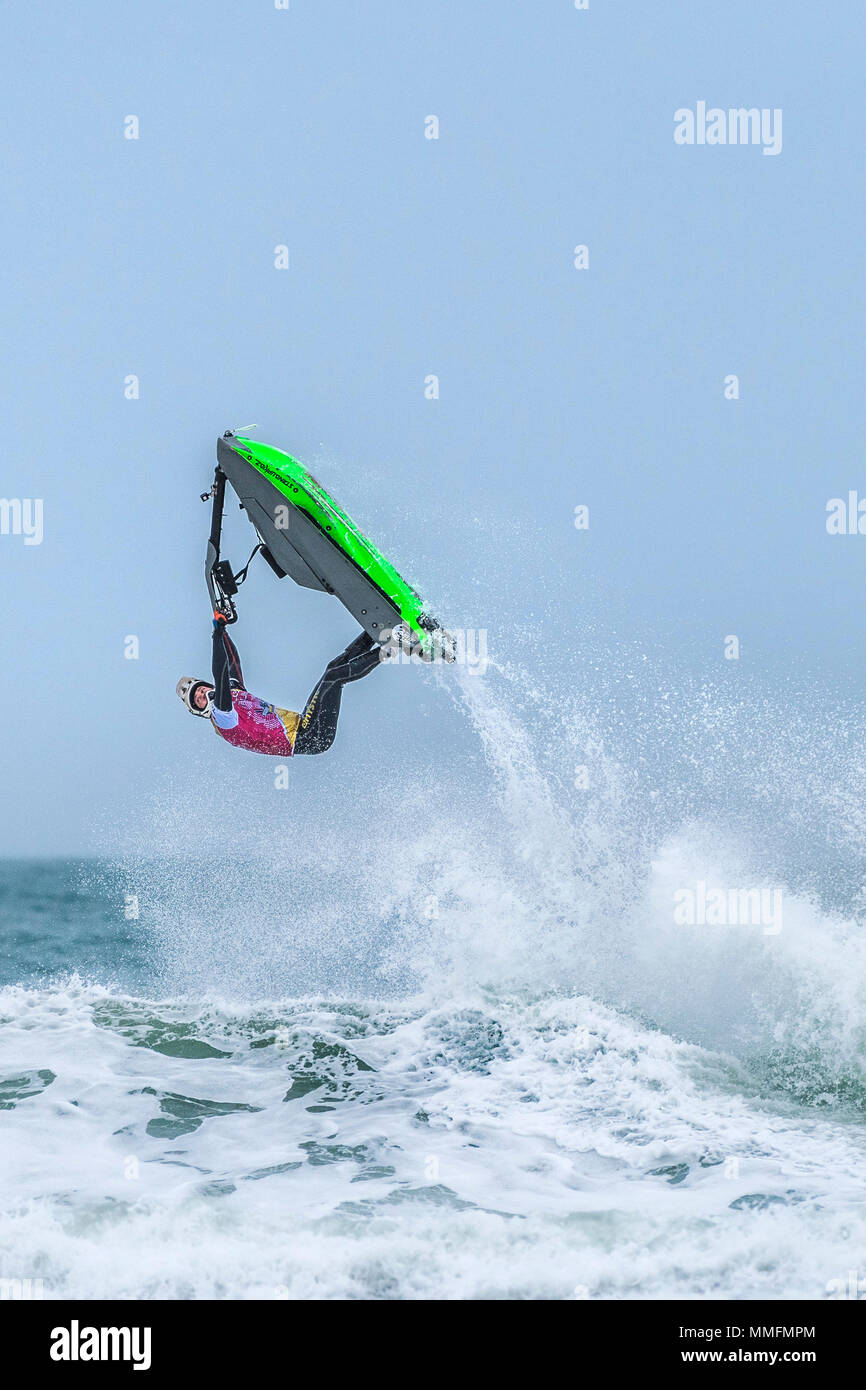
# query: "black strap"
242 574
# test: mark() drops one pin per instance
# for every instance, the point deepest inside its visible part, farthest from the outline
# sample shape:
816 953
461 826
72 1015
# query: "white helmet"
187 688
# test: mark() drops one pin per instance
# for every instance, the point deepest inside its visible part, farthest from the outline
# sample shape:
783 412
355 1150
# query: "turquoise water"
63 915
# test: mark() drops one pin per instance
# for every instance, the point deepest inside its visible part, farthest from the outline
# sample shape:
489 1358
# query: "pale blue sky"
409 257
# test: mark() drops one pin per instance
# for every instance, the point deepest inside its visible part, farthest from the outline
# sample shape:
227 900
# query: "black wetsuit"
318 719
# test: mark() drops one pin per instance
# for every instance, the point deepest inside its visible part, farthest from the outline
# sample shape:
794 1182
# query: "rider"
248 722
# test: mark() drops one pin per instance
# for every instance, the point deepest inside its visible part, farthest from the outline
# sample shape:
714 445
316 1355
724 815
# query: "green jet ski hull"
310 538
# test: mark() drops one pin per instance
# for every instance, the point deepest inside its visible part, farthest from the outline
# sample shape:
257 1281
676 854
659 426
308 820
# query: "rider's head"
196 695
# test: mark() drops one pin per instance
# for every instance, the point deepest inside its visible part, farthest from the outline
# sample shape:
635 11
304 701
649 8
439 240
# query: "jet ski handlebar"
218 574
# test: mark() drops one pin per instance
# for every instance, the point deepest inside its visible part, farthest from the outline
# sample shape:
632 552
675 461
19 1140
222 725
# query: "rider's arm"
226 673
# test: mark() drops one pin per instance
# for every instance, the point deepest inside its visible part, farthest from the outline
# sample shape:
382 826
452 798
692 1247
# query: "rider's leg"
360 658
318 724
362 643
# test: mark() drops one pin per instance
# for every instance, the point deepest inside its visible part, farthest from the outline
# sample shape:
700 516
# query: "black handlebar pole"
219 601
218 493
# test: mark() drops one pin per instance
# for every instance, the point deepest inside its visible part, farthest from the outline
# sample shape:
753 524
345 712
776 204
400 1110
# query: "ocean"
462 1046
